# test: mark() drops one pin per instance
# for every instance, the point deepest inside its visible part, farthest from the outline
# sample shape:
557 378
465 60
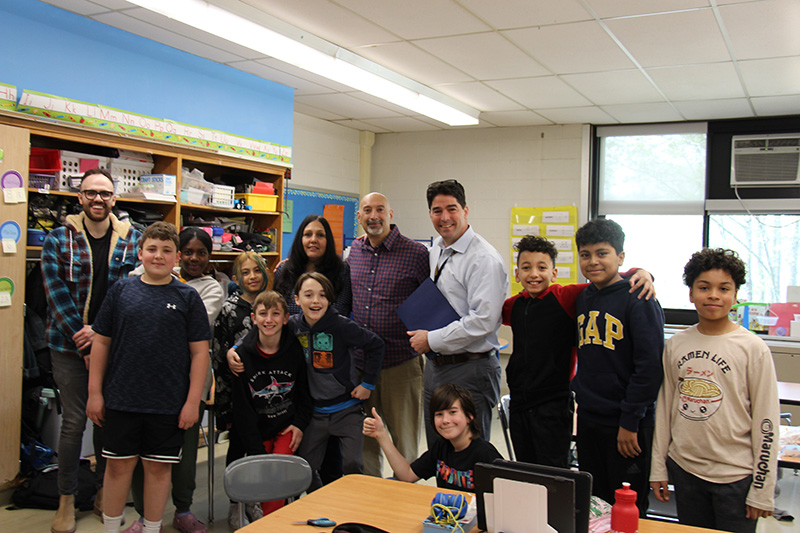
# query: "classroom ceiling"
523 62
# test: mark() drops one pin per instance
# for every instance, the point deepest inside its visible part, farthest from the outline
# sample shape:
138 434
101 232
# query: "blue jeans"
711 505
72 380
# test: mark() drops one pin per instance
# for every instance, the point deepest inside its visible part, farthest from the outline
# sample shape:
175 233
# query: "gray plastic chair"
502 411
264 478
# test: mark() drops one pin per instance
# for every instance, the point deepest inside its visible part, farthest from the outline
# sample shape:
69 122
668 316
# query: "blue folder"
427 308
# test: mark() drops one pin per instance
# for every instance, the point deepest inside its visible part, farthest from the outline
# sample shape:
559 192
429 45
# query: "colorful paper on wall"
8 97
557 224
165 130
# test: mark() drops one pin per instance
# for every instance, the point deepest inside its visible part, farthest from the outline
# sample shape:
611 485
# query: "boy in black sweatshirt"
620 342
271 401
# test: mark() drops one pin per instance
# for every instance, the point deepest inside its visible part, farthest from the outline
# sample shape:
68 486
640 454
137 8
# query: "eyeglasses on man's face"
91 194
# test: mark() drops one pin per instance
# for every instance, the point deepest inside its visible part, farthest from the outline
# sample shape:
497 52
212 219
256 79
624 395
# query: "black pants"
542 434
598 455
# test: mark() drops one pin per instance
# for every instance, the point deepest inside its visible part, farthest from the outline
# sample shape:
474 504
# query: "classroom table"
789 393
393 506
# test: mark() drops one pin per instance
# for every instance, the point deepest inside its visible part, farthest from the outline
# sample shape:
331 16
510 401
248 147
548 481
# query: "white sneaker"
233 517
253 511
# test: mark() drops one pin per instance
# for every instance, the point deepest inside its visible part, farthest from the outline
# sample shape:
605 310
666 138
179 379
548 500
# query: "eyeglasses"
91 194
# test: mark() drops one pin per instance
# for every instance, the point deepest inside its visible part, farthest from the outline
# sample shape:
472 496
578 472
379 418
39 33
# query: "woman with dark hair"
314 250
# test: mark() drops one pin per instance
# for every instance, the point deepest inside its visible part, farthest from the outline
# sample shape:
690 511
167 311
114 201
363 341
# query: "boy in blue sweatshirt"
620 342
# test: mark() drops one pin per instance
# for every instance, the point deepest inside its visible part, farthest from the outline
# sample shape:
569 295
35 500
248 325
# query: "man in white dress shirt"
471 275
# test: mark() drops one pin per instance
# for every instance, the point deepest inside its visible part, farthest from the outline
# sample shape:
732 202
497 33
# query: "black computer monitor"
560 492
583 488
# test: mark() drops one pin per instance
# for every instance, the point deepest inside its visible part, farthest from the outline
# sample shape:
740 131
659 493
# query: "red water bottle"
624 513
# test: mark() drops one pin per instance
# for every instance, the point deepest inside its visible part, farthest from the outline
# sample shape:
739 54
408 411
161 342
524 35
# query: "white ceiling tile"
771 77
616 87
478 95
715 109
300 85
411 61
316 112
81 7
515 118
522 13
539 93
169 37
577 115
763 29
683 38
380 102
417 19
624 8
484 56
345 105
327 20
776 105
567 48
696 82
361 126
638 113
401 124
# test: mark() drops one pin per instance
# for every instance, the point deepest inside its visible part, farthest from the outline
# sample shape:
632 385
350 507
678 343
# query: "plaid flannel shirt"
382 278
67 274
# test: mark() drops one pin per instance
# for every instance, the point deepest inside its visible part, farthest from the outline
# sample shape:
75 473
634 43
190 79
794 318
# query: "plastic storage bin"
260 202
222 196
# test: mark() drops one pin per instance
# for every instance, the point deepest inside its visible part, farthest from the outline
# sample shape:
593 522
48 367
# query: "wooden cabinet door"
15 146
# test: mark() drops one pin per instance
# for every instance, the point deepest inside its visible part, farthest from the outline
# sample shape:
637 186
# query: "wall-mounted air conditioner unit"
765 160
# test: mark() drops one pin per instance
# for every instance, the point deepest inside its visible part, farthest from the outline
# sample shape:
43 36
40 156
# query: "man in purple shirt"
385 268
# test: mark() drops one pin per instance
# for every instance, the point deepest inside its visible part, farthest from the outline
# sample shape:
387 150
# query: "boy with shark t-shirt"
271 400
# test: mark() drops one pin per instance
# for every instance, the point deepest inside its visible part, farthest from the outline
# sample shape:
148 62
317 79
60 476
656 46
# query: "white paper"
5 299
563 245
524 229
9 246
14 195
520 507
560 230
565 258
564 272
488 508
555 217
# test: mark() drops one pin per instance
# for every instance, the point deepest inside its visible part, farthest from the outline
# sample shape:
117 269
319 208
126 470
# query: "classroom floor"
34 521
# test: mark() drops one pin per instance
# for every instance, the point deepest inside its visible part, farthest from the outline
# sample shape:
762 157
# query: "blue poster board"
300 203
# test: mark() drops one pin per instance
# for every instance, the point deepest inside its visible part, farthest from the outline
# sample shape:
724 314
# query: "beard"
94 216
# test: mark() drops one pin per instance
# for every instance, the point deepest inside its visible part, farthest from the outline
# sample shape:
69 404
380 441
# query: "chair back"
264 478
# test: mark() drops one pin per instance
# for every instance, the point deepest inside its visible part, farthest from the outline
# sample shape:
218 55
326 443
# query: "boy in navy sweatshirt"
542 319
620 342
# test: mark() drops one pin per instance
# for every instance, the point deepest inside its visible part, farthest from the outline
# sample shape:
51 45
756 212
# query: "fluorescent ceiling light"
324 59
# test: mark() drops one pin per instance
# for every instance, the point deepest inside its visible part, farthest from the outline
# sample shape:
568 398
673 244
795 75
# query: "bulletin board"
299 203
557 224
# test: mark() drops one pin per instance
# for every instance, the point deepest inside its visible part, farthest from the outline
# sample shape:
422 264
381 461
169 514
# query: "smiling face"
252 281
600 263
535 271
158 258
713 293
375 216
194 259
314 240
97 209
453 424
269 321
449 218
312 300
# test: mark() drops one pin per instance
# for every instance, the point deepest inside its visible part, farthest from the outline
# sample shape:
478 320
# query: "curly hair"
535 243
715 259
601 230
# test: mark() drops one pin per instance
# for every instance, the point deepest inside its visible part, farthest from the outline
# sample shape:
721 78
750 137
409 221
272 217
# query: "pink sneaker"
136 527
189 523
